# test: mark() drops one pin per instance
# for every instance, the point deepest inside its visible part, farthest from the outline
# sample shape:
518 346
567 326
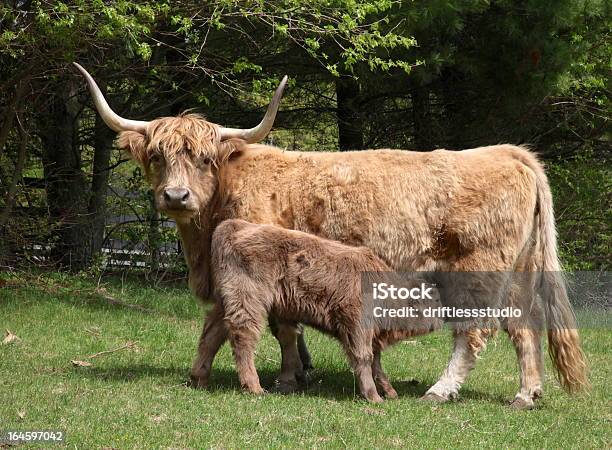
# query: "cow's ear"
134 144
230 148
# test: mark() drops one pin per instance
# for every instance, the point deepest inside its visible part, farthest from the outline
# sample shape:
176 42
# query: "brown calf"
262 270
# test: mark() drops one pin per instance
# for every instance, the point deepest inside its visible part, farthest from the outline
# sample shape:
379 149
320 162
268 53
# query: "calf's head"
180 155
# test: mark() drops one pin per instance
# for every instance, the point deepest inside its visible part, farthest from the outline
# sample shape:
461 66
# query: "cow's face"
181 154
180 157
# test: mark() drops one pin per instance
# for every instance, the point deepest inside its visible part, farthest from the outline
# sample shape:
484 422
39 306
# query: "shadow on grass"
337 385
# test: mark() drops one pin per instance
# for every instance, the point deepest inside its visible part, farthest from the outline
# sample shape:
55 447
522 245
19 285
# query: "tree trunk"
9 113
350 121
103 142
11 192
422 119
67 193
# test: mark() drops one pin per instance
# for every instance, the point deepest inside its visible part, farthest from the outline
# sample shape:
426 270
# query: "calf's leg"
295 358
303 350
358 347
291 363
380 377
214 334
243 340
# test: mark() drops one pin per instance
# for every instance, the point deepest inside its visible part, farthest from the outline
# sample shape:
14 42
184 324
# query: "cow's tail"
563 338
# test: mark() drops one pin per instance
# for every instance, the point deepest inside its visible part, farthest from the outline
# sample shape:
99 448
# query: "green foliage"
335 34
61 30
581 103
581 189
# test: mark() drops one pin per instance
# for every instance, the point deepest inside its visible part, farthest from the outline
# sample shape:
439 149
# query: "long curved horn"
114 121
259 132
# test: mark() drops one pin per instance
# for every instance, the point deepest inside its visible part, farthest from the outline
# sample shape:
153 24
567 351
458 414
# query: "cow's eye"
155 159
204 162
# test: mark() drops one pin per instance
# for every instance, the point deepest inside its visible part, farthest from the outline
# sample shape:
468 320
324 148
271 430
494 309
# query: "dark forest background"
380 73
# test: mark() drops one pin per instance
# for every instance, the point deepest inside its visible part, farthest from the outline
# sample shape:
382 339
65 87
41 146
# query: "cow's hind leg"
380 377
475 282
214 334
468 344
525 334
529 353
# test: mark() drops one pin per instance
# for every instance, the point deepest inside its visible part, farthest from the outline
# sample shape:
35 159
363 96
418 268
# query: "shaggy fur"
262 269
171 136
485 209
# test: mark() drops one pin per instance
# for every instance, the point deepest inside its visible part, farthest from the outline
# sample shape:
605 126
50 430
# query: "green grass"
136 397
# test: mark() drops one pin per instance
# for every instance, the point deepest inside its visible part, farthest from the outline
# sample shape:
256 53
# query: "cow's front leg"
468 344
214 334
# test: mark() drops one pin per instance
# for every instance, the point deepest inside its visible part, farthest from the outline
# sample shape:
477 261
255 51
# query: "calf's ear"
134 144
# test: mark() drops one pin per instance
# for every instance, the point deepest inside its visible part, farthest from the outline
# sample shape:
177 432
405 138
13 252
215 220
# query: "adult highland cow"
484 209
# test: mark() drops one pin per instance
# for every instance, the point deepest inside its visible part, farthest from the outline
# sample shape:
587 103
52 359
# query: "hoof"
434 398
520 404
259 391
373 397
390 394
198 382
537 393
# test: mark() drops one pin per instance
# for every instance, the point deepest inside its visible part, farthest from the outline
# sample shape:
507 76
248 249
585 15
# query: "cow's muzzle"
176 198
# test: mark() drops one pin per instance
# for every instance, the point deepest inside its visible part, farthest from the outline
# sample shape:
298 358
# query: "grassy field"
136 396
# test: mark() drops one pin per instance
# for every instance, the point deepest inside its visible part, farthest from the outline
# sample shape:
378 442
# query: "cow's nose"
176 198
